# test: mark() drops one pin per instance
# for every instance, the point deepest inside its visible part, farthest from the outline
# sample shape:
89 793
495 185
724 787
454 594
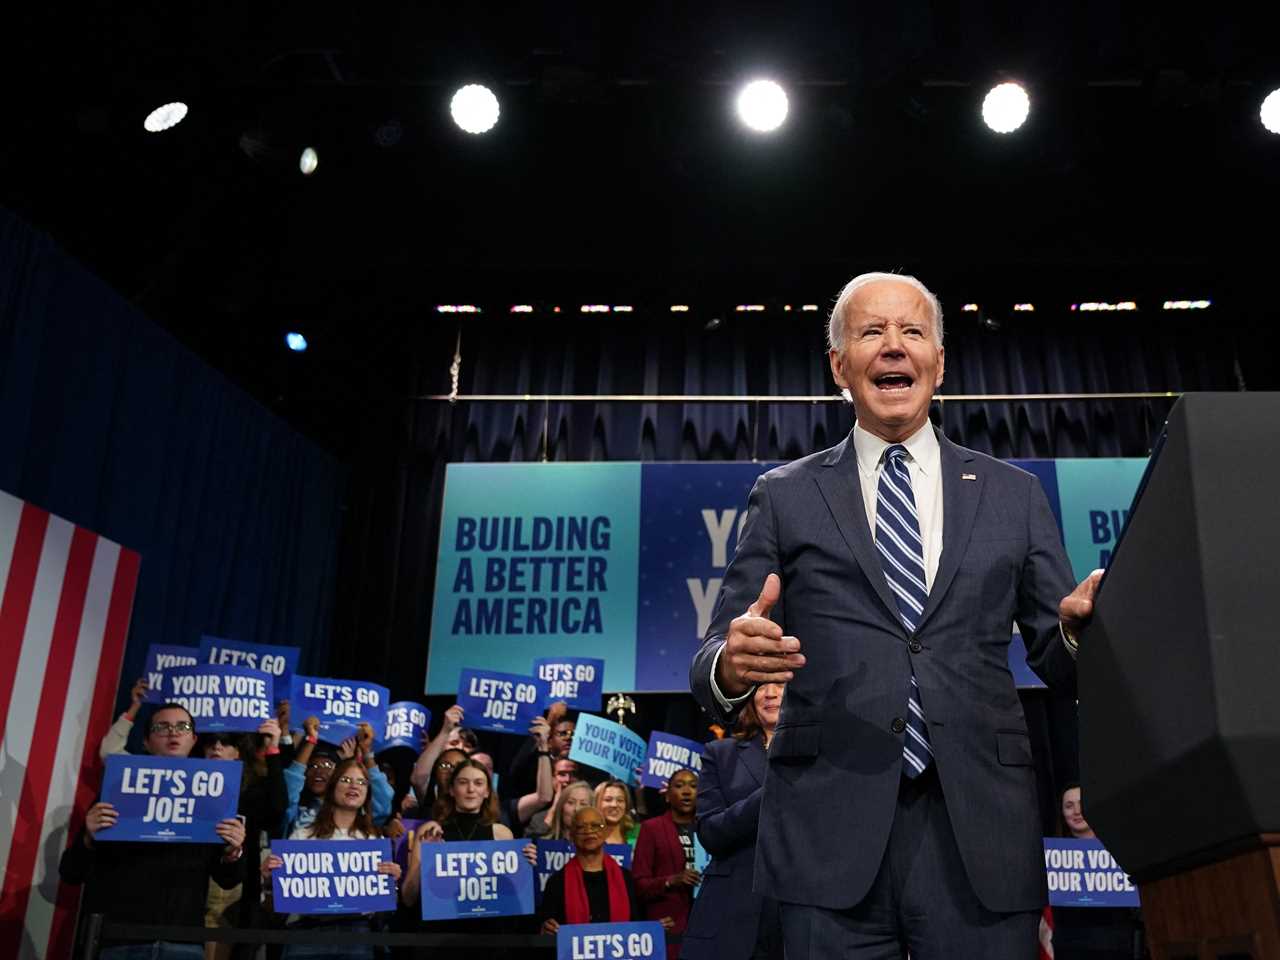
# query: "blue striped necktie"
902 556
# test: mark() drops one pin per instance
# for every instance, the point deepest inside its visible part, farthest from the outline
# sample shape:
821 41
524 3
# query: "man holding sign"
135 882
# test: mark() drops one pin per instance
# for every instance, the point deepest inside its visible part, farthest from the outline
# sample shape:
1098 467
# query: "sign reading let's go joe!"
169 799
624 561
405 724
280 662
222 699
339 705
611 941
332 876
502 702
574 680
483 878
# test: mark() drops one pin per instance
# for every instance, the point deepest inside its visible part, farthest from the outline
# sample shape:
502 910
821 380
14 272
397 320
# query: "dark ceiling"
617 172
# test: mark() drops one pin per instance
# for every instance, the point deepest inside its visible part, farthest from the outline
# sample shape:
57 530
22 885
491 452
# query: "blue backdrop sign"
332 876
488 878
169 799
607 746
160 658
554 854
405 724
339 705
611 941
1081 873
280 662
222 698
502 702
575 680
624 561
668 753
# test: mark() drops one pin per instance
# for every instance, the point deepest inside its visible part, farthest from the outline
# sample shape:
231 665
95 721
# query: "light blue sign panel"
1081 873
169 799
611 941
222 699
489 878
1096 496
607 746
332 876
536 558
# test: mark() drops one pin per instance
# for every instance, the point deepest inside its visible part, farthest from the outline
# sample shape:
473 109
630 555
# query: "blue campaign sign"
1081 873
668 753
487 878
554 854
406 721
280 662
332 876
160 658
339 705
502 702
578 681
169 799
611 941
222 699
607 746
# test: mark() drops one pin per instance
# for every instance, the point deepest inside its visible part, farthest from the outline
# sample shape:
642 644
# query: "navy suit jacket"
726 913
835 762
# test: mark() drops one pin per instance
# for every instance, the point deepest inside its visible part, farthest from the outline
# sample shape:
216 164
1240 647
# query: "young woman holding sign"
345 814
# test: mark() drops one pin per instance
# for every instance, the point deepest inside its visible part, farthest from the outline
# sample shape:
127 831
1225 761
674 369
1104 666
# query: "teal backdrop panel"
1095 495
536 560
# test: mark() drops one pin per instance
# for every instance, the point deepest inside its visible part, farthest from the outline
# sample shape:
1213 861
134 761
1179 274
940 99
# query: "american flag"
66 595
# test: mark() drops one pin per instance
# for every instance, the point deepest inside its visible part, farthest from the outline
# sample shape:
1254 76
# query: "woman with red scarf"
591 888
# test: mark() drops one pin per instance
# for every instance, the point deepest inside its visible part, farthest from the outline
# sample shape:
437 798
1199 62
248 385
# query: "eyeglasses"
589 827
182 726
322 764
446 765
358 781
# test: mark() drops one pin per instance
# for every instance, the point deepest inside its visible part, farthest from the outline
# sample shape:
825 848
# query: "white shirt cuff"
1073 647
726 704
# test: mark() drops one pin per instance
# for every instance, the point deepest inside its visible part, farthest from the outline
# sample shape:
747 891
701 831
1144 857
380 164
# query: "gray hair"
836 322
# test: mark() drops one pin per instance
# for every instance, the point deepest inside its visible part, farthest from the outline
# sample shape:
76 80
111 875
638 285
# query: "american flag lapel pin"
968 476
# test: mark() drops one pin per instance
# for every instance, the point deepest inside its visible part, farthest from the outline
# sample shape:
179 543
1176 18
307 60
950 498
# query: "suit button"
914 646
898 725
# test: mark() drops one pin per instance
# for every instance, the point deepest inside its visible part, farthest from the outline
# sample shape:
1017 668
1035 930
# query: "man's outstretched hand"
1076 608
755 649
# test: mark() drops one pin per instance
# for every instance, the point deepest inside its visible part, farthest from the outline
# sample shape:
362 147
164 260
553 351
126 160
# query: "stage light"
787 308
762 105
679 308
474 108
622 309
1024 307
970 308
296 342
1005 107
164 118
810 308
308 162
1187 304
522 308
1269 113
1091 306
750 308
457 308
595 308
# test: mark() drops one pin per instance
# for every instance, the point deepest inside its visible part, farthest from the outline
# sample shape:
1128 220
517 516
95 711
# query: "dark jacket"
658 856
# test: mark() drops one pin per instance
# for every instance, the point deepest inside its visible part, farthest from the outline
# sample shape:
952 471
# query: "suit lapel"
753 757
842 489
960 499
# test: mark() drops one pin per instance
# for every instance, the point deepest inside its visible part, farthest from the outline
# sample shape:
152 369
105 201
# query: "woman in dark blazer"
728 921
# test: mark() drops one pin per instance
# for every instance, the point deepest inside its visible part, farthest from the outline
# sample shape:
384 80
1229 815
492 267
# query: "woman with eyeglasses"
307 778
590 888
345 814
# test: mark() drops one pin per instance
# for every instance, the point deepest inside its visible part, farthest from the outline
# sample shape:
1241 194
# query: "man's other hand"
755 649
1076 608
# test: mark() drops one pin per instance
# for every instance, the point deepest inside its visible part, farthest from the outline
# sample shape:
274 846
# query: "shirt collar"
922 447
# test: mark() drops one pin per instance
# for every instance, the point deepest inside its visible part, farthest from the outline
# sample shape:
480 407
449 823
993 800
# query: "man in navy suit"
880 580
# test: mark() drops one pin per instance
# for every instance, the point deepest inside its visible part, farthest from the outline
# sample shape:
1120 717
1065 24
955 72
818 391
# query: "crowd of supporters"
295 786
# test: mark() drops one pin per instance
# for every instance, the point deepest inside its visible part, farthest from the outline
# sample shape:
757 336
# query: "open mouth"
353 794
893 381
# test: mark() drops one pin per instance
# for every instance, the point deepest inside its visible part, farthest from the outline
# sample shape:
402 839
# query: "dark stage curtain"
108 421
388 560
